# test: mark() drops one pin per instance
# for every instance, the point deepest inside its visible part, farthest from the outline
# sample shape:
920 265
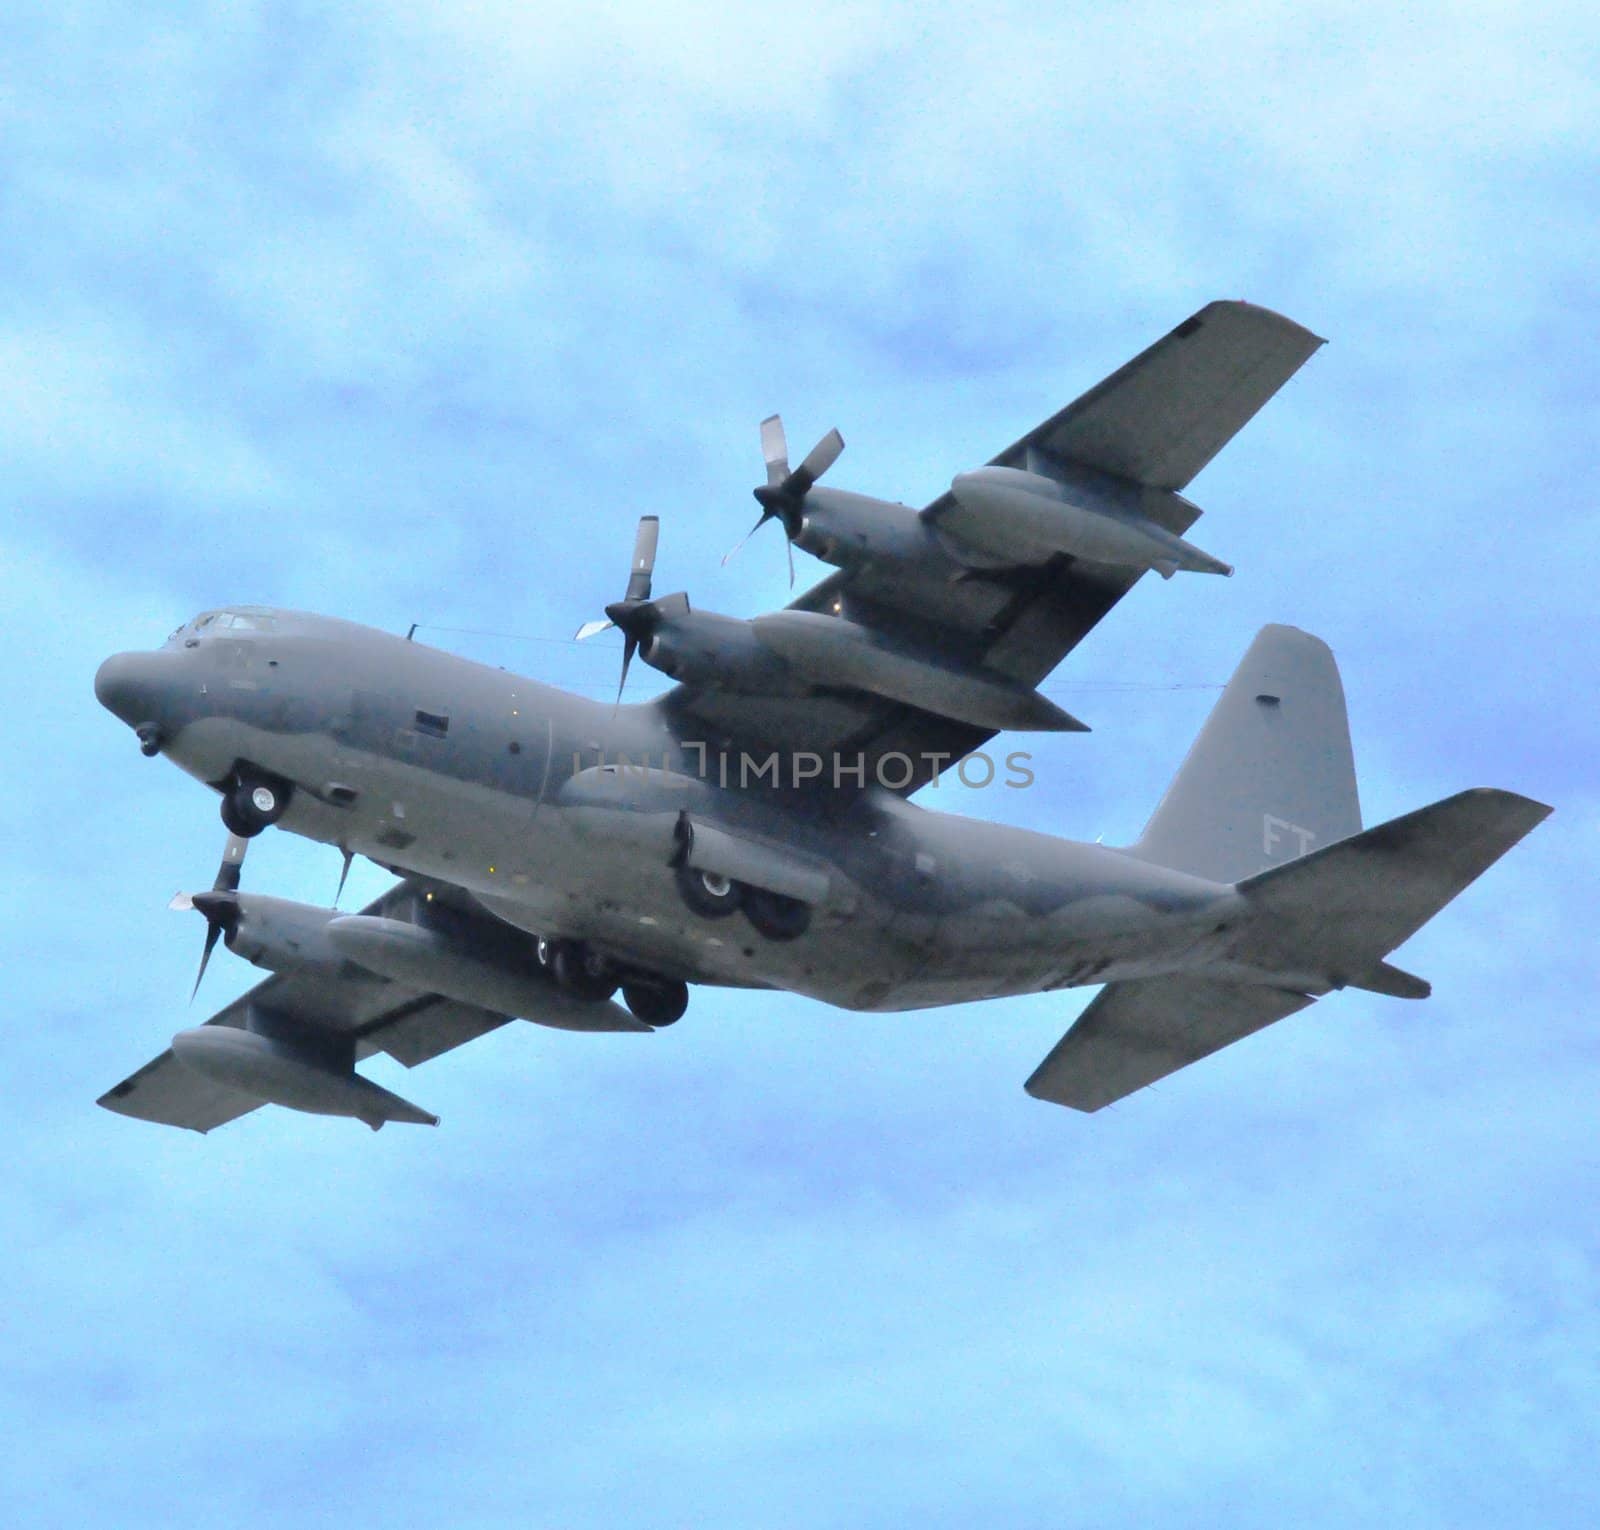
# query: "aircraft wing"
1156 421
382 1016
1137 1032
1165 415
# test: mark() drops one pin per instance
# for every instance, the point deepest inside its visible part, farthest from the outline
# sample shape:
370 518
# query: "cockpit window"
210 623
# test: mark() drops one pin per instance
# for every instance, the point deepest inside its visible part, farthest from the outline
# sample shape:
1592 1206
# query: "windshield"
234 623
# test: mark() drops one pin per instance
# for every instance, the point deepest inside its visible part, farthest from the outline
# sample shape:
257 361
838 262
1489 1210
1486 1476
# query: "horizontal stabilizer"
1330 917
1137 1032
1339 909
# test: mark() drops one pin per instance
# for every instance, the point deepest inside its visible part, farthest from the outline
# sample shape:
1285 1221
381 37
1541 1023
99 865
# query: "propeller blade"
774 450
629 648
221 913
766 515
644 557
349 855
219 907
788 547
821 457
213 935
591 629
232 864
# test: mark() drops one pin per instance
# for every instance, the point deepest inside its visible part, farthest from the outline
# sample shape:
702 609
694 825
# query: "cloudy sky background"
405 313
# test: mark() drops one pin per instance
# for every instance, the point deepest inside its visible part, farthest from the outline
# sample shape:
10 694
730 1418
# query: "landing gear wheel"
585 974
251 803
707 894
775 916
656 1003
235 823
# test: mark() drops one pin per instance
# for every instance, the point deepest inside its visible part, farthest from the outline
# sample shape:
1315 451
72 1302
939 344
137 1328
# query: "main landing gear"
713 896
658 1002
586 974
252 800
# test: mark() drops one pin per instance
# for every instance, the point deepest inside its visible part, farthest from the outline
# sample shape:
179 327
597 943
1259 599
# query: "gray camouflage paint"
524 804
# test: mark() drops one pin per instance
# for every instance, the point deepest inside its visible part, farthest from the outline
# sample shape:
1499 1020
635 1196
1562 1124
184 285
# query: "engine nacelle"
1011 516
701 647
282 1073
827 650
281 935
849 530
484 975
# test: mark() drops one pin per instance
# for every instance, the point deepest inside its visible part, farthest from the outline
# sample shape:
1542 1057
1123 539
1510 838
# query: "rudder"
1271 775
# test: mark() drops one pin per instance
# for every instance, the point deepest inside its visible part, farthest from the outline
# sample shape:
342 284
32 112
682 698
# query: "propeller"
782 495
349 855
220 906
636 616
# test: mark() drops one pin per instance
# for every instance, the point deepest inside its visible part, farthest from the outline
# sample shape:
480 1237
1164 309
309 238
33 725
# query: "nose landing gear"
251 801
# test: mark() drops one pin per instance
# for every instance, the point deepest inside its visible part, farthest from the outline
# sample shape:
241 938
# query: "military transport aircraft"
753 826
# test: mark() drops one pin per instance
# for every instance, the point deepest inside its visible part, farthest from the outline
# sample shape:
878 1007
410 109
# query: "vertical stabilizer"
1271 776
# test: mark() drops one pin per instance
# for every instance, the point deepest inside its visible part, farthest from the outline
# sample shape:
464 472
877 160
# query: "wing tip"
1034 1089
1536 810
1261 314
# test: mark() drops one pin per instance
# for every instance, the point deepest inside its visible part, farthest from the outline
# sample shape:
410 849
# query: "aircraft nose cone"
125 685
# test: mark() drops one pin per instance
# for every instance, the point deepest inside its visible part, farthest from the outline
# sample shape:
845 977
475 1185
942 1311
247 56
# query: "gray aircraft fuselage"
558 814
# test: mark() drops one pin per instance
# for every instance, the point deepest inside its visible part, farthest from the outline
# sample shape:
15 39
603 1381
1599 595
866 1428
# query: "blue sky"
406 313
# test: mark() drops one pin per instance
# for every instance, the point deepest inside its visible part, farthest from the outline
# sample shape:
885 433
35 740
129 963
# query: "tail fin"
1271 775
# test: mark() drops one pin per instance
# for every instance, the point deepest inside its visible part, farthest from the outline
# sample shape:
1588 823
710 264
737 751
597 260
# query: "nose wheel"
250 803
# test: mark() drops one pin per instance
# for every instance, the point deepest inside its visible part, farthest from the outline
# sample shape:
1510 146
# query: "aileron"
1161 418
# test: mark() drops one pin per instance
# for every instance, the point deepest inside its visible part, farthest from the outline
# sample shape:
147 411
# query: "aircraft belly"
998 947
1013 924
854 955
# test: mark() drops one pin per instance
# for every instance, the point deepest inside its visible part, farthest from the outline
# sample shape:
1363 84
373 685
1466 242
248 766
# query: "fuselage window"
434 724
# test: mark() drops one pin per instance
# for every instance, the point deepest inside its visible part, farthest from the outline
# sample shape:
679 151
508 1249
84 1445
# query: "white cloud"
410 311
